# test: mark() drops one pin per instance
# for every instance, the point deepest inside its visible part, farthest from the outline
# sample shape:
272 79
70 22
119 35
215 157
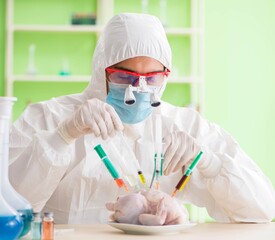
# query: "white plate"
150 230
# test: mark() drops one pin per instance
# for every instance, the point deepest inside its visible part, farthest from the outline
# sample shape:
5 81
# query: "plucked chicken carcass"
152 208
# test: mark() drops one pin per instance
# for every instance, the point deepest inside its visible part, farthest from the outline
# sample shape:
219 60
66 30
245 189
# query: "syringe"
122 159
131 155
158 158
107 162
185 178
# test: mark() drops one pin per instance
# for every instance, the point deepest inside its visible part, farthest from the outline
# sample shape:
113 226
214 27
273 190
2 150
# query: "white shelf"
89 29
57 28
52 78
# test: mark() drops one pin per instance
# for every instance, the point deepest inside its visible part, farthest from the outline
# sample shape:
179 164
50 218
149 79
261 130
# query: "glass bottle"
11 224
36 226
13 198
144 6
163 11
48 226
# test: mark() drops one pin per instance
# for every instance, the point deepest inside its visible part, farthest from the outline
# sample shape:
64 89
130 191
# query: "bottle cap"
36 214
48 214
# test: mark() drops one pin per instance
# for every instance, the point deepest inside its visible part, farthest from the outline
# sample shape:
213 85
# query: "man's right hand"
93 116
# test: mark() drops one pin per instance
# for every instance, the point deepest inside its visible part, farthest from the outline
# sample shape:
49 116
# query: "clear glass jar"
36 226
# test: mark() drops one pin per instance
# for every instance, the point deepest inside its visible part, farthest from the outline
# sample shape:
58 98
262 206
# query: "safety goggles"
132 78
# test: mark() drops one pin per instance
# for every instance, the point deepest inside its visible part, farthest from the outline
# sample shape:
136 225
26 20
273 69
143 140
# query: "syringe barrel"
101 153
110 167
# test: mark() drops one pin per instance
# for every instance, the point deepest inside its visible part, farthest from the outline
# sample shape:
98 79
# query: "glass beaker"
11 224
15 200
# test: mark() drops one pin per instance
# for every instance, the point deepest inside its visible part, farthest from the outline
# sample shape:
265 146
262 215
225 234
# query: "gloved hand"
152 208
94 116
179 149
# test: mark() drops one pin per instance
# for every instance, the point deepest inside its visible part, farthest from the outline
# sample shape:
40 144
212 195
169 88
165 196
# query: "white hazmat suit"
70 179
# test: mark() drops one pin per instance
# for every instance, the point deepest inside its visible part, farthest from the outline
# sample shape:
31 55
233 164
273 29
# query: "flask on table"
11 224
14 199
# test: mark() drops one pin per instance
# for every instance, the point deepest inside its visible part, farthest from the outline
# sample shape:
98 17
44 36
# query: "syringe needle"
157 185
174 193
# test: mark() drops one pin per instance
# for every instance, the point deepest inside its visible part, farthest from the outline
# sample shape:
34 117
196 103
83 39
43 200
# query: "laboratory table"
201 231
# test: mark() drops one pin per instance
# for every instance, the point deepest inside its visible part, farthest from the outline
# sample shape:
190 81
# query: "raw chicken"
150 207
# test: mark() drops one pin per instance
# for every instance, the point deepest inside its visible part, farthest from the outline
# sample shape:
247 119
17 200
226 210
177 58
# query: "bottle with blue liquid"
10 196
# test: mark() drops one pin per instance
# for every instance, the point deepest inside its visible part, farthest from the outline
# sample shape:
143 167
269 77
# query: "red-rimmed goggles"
132 78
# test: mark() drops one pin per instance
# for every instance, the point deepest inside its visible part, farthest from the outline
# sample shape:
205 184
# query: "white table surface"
202 231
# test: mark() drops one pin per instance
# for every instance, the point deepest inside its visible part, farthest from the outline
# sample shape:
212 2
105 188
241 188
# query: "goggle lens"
126 77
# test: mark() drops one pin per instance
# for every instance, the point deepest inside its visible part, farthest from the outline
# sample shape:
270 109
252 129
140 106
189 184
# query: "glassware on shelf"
14 199
163 9
144 6
81 18
11 224
31 70
65 70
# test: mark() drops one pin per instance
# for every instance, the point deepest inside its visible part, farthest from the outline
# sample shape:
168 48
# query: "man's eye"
126 77
150 79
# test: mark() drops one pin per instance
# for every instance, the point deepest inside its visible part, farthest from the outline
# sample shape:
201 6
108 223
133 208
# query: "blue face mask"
130 114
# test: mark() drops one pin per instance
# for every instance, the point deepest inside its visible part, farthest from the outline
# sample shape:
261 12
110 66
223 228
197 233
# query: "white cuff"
63 133
210 165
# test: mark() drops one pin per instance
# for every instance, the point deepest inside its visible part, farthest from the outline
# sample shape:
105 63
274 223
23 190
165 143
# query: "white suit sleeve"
228 183
240 190
38 160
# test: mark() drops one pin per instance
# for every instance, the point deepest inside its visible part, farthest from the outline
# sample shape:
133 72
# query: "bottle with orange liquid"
48 226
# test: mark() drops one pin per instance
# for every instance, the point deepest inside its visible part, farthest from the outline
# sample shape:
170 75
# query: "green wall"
240 73
239 56
2 45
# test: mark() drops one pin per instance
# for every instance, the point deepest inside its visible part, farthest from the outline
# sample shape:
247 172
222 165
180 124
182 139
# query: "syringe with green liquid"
107 162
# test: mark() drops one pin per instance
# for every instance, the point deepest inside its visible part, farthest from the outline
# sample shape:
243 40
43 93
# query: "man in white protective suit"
53 163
